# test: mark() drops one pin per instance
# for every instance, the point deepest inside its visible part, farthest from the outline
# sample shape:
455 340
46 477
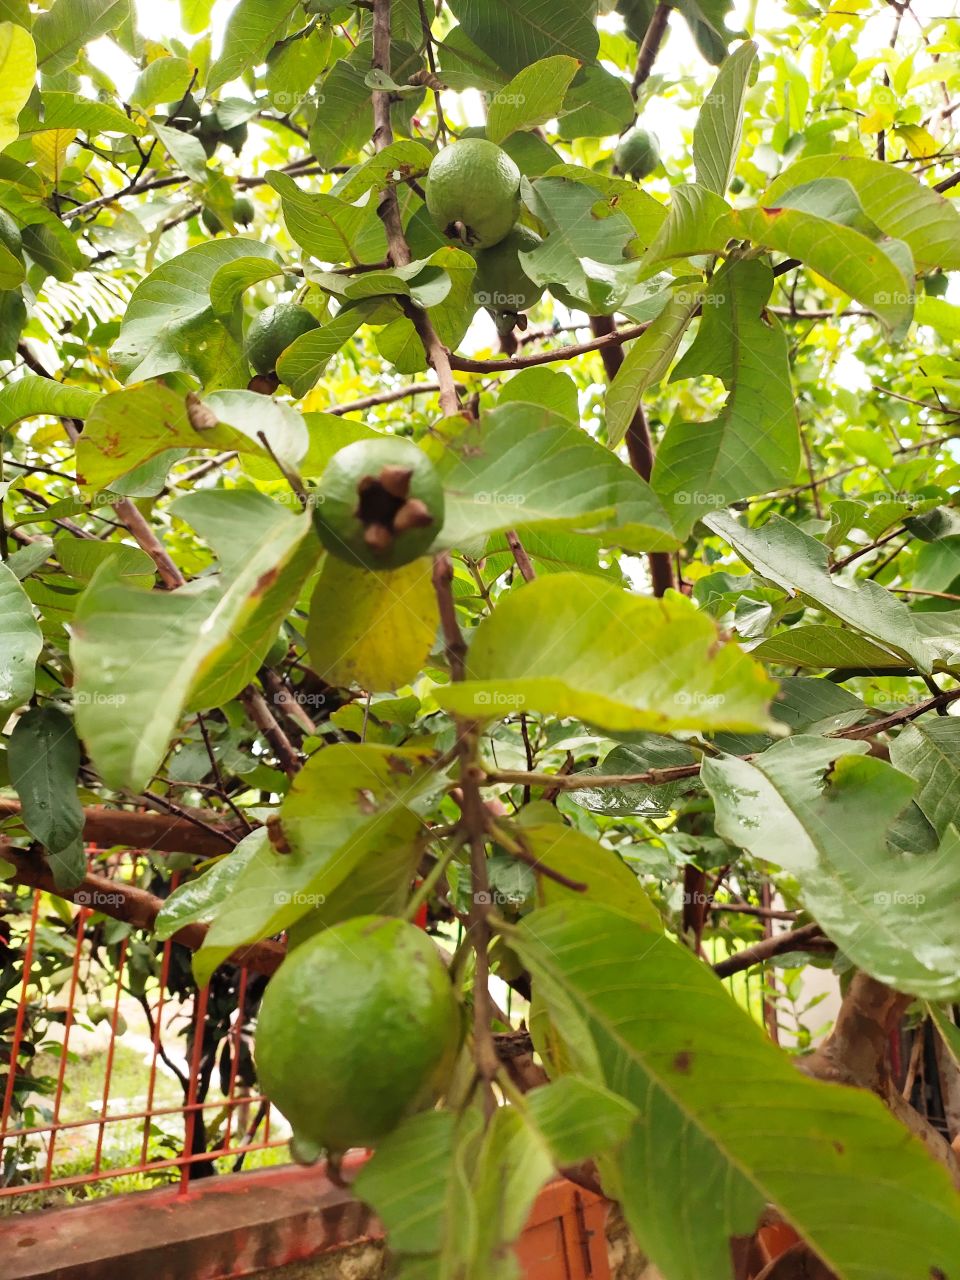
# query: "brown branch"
613 339
650 47
133 906
148 831
386 397
857 1052
809 937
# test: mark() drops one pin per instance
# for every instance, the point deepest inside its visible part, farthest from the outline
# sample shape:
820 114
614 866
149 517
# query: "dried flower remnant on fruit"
386 508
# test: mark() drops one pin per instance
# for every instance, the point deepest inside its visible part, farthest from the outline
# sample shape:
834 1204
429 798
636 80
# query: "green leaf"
822 811
647 360
523 467
61 31
753 445
609 881
197 901
566 646
140 656
514 36
54 248
533 96
302 363
716 137
820 646
597 105
125 429
253 28
31 397
18 73
699 221
901 206
644 752
548 388
349 804
20 643
224 520
374 630
170 325
583 252
670 1040
326 226
929 752
878 273
44 756
232 279
81 557
785 555
163 80
185 151
58 110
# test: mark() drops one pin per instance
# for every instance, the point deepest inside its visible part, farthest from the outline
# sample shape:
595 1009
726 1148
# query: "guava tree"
488 464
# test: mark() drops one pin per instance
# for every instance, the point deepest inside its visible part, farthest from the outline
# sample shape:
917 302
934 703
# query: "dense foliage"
471 463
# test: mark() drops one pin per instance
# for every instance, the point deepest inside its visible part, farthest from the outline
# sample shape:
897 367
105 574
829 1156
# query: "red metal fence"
51 1138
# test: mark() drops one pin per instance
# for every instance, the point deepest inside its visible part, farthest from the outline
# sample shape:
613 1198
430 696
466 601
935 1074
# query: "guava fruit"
473 192
501 282
935 285
358 1028
736 185
637 154
381 503
10 234
273 330
184 115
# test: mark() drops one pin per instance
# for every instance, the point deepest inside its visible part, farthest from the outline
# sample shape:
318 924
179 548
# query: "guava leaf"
44 757
20 643
753 445
61 31
303 362
140 656
326 226
125 429
374 630
647 360
533 96
901 206
253 28
18 74
524 467
609 880
197 901
644 752
582 251
170 324
566 645
821 646
822 810
233 278
350 803
669 1039
878 273
697 222
785 555
515 35
32 396
716 136
929 752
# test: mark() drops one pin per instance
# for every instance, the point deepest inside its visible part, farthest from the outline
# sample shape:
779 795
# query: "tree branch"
652 40
148 831
615 338
809 937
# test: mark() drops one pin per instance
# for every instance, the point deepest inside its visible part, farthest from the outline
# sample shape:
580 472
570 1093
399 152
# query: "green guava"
273 330
10 234
637 154
501 282
737 184
473 192
184 115
358 1028
935 285
380 503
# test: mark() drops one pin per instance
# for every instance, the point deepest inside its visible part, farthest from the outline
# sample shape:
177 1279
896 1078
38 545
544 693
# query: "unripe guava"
381 503
473 192
243 211
637 154
358 1028
935 285
273 330
501 282
736 185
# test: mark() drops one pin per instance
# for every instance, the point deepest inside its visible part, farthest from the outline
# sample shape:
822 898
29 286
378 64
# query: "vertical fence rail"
144 1115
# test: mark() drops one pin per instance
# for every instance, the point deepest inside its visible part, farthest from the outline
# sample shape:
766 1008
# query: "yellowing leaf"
371 629
18 71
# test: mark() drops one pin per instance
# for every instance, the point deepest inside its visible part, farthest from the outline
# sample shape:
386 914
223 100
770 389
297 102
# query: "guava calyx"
386 509
381 503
